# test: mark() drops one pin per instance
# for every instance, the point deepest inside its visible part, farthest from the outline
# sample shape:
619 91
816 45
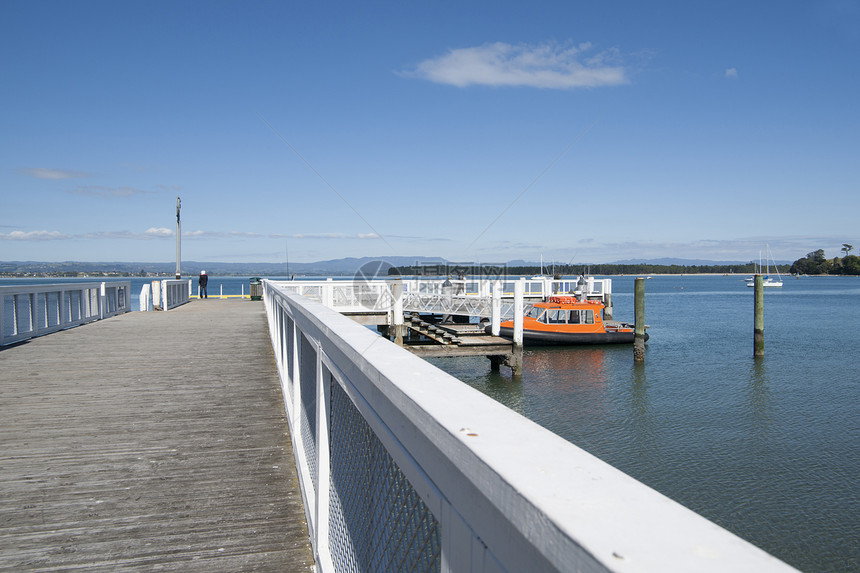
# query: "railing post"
516 361
32 312
519 289
102 300
43 315
328 293
14 314
296 398
397 311
497 308
145 300
322 456
62 309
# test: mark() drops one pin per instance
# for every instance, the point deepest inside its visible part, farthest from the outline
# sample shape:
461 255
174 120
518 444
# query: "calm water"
766 448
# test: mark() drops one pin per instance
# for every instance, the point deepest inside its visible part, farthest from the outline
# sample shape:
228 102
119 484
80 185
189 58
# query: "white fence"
164 295
175 293
469 297
34 310
405 468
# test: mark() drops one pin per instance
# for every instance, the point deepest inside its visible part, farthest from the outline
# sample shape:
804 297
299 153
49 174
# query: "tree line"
817 263
814 263
575 270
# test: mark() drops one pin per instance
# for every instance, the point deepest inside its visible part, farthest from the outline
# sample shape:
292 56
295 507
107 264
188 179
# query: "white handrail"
470 297
404 467
175 292
28 311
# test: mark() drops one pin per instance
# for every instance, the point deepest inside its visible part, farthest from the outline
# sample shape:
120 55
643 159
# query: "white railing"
34 310
345 296
469 297
175 293
403 467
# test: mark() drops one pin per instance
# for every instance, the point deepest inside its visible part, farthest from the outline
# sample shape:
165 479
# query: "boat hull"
544 338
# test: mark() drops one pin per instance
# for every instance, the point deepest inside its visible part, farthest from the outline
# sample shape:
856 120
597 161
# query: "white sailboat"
767 280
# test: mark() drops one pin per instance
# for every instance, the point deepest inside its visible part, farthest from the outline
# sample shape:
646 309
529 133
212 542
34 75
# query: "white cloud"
731 73
164 232
158 232
33 236
542 66
325 236
246 234
198 234
99 191
44 173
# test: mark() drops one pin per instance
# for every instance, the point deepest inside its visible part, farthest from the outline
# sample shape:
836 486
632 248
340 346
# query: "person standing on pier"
202 281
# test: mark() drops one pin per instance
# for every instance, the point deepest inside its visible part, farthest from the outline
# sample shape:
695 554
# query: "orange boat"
568 320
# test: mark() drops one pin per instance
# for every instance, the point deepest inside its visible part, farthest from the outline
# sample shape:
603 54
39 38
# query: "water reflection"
571 365
504 390
642 427
758 404
569 392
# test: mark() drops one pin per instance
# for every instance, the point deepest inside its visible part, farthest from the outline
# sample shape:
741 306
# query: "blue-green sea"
768 448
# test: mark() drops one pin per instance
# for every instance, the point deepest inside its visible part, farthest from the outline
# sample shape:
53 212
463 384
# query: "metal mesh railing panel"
377 521
308 414
288 355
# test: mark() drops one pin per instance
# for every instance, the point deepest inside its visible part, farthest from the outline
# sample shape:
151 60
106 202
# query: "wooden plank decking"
154 441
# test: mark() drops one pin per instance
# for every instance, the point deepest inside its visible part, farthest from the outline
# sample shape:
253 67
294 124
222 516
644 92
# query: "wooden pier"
150 441
457 340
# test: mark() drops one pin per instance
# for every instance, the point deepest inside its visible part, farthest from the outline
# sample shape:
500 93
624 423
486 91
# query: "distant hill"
347 266
334 267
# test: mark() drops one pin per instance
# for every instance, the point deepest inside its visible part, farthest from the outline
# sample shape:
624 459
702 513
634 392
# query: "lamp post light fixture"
178 238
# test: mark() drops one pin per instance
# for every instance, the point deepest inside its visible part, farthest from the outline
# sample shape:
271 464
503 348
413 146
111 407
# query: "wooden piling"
639 326
758 328
516 361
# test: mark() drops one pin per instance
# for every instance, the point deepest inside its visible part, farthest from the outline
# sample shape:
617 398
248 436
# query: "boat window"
556 316
589 316
574 317
535 312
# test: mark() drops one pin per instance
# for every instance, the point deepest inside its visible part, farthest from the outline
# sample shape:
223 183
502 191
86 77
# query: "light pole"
178 237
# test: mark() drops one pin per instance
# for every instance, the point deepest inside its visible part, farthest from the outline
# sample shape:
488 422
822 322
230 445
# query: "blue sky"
474 131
